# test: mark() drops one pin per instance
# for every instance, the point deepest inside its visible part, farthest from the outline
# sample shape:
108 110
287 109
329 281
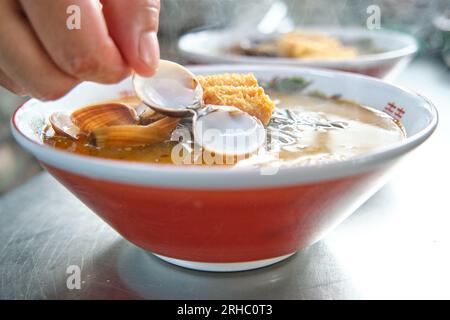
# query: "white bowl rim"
410 48
208 177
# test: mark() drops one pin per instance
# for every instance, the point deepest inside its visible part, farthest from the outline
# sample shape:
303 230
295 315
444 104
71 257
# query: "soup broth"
304 130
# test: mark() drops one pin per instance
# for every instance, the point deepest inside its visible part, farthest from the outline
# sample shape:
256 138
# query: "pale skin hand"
42 58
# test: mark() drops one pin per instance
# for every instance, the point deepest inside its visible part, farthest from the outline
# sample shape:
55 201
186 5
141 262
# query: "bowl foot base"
224 267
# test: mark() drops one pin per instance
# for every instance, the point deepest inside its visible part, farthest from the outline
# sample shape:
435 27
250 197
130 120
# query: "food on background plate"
300 44
304 128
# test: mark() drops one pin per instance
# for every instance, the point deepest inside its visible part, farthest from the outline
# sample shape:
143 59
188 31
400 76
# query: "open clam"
86 119
171 94
104 115
228 130
174 91
132 135
114 125
63 125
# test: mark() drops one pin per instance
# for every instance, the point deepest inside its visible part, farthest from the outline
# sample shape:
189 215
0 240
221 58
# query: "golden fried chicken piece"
238 90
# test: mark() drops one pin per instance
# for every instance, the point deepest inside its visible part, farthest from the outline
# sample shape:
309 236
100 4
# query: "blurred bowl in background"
442 24
383 53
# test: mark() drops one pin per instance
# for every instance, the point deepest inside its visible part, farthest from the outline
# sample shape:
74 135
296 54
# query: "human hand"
42 58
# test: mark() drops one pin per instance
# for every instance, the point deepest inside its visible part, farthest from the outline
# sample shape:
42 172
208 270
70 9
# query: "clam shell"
228 131
104 115
149 116
133 135
63 125
141 108
173 90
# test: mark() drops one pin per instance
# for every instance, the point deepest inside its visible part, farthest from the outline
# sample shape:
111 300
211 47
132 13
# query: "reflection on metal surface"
138 269
46 234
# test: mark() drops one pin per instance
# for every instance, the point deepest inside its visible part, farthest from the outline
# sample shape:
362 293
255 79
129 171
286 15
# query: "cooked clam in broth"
221 129
223 120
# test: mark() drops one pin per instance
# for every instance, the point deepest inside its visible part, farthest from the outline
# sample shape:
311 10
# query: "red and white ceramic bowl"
222 219
394 50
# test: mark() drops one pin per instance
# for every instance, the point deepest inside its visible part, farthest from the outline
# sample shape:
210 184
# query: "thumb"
133 25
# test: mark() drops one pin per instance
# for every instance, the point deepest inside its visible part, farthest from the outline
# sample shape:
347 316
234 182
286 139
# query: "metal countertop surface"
397 245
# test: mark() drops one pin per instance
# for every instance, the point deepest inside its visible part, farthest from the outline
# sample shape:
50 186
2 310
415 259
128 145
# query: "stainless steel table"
397 245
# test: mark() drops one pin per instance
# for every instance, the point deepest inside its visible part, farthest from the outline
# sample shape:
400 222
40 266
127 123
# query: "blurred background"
425 19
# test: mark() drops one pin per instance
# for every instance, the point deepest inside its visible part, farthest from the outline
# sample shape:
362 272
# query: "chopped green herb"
317 94
288 85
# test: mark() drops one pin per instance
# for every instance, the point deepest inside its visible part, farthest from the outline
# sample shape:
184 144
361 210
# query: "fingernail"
149 49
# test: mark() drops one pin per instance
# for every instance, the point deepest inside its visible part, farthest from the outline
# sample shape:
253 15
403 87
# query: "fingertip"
148 54
136 33
145 72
